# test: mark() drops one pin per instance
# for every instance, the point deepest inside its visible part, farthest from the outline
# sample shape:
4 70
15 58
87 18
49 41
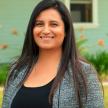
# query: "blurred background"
90 19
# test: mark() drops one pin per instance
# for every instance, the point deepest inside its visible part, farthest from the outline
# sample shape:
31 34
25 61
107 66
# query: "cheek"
36 35
60 33
36 32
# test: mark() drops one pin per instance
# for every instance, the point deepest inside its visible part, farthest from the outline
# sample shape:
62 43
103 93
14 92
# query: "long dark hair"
30 50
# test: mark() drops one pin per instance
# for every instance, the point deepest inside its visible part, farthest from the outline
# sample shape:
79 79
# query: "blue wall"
100 32
15 14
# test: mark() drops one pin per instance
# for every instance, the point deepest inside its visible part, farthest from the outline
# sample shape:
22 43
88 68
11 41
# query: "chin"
46 47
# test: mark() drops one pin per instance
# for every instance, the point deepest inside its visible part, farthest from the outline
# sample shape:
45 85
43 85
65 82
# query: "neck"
50 56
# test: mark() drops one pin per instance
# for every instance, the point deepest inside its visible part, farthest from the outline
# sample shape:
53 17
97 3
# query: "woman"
49 73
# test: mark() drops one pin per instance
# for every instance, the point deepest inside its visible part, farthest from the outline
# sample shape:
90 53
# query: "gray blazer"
65 94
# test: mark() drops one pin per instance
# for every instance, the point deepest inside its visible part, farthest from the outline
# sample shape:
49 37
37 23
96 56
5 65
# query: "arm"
94 89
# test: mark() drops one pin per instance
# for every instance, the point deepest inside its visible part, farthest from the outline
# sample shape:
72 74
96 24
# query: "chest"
35 97
64 97
40 76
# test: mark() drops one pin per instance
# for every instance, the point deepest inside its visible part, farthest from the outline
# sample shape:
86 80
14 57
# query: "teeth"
46 37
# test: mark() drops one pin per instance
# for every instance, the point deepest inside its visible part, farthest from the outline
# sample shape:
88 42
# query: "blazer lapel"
65 94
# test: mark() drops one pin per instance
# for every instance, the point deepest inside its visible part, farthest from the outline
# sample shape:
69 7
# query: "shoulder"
15 76
94 87
90 73
87 68
11 86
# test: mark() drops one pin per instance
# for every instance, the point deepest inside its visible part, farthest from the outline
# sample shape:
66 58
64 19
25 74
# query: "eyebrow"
39 21
50 21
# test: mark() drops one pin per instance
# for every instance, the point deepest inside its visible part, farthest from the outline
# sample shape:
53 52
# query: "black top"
36 97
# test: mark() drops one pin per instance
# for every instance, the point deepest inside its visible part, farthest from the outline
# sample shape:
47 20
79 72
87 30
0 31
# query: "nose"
46 30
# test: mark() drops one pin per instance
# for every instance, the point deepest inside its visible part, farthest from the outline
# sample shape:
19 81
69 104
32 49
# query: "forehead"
50 13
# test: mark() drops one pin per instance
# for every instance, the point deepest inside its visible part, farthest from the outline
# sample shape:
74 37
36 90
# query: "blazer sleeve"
94 88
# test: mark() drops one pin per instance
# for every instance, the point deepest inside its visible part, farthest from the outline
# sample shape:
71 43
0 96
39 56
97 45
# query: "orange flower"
101 42
82 37
14 31
4 46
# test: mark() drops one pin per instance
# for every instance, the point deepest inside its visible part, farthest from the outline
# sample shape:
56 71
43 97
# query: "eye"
54 24
39 24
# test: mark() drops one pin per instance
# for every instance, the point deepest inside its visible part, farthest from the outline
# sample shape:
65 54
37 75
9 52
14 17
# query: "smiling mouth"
46 37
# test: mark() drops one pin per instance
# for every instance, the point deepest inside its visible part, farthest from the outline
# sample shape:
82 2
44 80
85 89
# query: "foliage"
3 73
1 96
80 45
106 96
99 60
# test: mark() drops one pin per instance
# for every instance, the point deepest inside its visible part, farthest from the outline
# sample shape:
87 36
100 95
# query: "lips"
46 37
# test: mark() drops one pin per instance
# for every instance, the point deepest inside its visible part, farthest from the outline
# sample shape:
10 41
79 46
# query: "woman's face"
49 30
